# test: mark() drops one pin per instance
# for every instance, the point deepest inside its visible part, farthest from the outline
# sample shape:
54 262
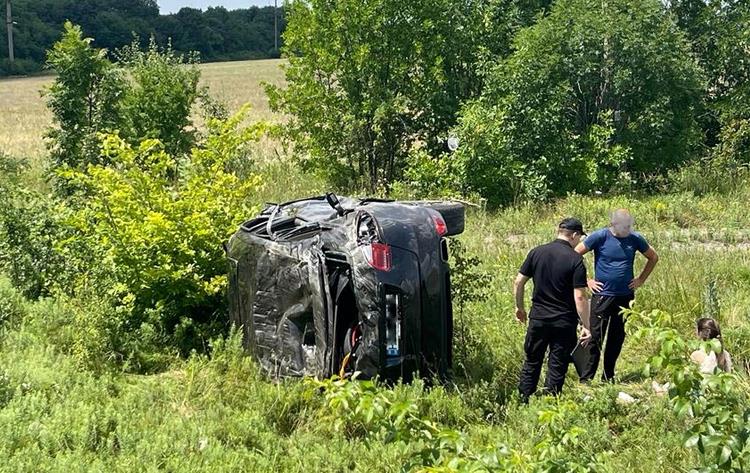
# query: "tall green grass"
217 413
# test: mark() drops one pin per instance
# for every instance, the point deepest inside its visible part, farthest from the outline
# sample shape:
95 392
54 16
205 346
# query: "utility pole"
9 25
275 25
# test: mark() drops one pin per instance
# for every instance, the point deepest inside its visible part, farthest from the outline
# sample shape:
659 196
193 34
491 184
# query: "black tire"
454 214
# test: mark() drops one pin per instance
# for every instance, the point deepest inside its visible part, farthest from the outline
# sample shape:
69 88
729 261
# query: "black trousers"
560 337
606 323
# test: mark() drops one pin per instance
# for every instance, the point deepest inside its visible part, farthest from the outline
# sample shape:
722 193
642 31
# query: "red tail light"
440 225
378 256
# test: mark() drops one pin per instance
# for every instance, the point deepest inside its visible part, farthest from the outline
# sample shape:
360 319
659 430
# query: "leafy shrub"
30 227
30 230
12 304
592 90
469 284
84 99
426 176
716 403
158 102
369 81
154 224
149 94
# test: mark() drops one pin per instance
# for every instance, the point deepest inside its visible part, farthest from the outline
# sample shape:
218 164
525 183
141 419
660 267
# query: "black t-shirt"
556 269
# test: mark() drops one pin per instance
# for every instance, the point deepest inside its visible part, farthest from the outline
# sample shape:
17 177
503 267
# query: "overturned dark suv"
328 285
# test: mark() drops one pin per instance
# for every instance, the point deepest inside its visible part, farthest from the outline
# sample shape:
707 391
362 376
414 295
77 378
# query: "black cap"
572 224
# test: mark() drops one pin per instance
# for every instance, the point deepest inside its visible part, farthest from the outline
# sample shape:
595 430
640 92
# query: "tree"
162 92
149 94
597 92
84 99
369 81
216 33
719 33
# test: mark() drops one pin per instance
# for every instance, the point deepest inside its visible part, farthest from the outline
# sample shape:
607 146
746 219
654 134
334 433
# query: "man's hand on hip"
595 285
635 283
521 315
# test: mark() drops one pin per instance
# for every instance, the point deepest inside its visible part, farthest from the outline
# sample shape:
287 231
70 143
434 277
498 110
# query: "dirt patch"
710 245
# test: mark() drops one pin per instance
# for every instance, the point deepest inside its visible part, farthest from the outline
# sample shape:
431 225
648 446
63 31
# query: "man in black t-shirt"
558 303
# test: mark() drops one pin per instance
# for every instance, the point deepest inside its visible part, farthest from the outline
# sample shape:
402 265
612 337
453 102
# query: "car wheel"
454 214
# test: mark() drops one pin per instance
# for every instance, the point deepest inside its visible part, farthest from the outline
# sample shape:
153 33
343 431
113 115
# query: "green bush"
469 286
426 176
12 304
162 91
85 98
148 94
154 224
369 82
595 93
30 229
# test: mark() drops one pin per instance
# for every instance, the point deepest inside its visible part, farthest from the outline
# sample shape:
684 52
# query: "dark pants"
560 337
606 322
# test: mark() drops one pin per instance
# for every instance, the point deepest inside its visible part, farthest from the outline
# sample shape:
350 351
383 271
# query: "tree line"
216 33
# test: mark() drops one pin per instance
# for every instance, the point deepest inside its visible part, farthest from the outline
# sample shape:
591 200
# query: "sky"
172 6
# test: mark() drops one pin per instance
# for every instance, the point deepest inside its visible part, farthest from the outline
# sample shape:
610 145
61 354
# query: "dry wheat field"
24 117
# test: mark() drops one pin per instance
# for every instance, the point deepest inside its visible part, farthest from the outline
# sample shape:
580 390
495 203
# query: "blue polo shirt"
613 260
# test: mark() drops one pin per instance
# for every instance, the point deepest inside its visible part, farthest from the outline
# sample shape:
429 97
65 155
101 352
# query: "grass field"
24 116
219 414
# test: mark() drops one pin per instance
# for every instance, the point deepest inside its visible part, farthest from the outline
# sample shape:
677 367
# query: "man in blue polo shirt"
613 287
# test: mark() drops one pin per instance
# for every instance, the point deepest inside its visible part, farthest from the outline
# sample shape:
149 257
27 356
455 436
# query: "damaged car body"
328 285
